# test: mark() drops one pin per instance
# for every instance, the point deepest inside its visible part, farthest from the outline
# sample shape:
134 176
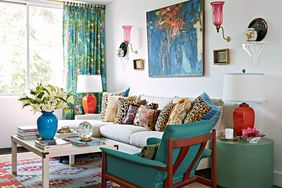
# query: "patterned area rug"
85 174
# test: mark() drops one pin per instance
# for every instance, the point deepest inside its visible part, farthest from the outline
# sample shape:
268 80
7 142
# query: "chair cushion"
120 133
139 139
182 132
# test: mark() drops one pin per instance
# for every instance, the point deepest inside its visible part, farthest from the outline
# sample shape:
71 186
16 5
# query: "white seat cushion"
75 123
119 132
139 139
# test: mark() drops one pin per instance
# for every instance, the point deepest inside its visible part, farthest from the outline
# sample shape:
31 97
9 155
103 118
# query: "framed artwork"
176 40
221 57
138 64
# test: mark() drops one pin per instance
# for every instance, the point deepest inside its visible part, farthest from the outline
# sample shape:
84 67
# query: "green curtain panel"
84 49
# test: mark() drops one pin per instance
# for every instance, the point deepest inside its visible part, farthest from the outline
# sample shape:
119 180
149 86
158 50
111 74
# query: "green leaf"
52 87
32 92
26 105
40 95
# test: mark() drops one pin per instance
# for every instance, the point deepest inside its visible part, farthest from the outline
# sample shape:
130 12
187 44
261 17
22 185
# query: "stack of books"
56 144
27 132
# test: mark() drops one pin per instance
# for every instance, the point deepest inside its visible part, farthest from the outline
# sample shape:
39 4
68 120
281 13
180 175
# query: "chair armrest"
151 141
133 158
87 117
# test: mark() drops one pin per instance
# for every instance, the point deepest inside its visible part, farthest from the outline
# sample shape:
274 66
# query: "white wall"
11 116
237 15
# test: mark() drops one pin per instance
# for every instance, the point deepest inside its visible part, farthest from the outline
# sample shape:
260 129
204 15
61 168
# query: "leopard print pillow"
105 102
199 109
123 104
163 117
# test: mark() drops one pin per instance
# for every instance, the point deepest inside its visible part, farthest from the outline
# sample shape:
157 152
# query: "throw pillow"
105 101
130 115
123 104
112 108
179 112
163 117
199 109
149 151
146 117
153 106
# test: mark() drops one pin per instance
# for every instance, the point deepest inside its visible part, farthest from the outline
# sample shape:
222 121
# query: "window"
31 48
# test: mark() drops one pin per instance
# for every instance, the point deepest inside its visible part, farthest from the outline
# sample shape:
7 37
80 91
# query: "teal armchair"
180 151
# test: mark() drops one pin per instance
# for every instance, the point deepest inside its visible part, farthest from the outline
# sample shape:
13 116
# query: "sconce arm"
228 38
134 51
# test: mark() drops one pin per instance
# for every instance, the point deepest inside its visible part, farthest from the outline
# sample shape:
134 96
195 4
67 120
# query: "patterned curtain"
84 49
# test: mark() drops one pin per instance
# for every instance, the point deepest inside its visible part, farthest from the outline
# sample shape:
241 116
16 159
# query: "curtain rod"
78 3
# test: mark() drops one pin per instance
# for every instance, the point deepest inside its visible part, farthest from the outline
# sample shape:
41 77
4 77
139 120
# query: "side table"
244 165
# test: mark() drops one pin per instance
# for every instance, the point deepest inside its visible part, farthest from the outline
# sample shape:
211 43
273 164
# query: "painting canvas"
175 40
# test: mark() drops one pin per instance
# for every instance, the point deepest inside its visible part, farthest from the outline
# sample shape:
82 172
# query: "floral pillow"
149 151
146 117
130 115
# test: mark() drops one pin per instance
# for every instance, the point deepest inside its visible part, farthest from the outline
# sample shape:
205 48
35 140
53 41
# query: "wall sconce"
217 7
127 38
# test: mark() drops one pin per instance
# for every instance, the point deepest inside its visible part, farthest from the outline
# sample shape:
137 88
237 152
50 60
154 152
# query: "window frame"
28 4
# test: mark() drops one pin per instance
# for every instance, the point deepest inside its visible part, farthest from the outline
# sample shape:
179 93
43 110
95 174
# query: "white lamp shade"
244 87
89 83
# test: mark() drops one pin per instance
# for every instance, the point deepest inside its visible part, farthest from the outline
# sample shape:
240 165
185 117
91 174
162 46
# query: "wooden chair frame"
185 145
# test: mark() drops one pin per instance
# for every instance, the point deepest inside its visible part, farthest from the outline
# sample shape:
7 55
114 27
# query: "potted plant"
46 99
252 135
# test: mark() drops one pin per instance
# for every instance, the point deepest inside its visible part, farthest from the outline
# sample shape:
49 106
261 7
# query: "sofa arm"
151 141
87 117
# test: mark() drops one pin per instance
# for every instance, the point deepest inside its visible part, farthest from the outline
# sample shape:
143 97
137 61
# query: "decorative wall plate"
260 27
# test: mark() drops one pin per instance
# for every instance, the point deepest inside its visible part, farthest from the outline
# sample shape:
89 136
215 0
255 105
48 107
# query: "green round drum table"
244 165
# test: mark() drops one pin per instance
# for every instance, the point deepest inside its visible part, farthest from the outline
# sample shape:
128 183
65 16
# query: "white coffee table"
45 155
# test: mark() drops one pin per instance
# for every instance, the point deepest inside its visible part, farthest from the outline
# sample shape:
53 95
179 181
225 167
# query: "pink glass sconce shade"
217 9
127 33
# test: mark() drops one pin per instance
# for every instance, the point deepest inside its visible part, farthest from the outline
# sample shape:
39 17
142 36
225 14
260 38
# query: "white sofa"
132 138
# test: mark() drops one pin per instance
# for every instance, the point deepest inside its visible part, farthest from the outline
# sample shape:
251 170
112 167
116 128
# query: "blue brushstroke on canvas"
173 40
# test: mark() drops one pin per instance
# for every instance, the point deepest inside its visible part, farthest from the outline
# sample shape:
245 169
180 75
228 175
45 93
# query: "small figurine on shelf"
252 135
251 34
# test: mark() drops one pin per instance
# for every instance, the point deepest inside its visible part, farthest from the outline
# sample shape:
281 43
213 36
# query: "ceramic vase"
47 125
254 140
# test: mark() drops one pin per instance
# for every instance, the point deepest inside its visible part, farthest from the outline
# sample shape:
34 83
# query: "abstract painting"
176 40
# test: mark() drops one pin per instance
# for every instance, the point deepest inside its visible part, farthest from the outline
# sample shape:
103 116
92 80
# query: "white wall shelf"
254 49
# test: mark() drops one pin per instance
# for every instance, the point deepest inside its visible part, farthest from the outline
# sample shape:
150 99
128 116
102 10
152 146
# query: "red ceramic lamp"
89 84
245 87
217 11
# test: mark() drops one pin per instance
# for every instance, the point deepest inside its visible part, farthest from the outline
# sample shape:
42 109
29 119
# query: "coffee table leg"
45 171
14 158
71 160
